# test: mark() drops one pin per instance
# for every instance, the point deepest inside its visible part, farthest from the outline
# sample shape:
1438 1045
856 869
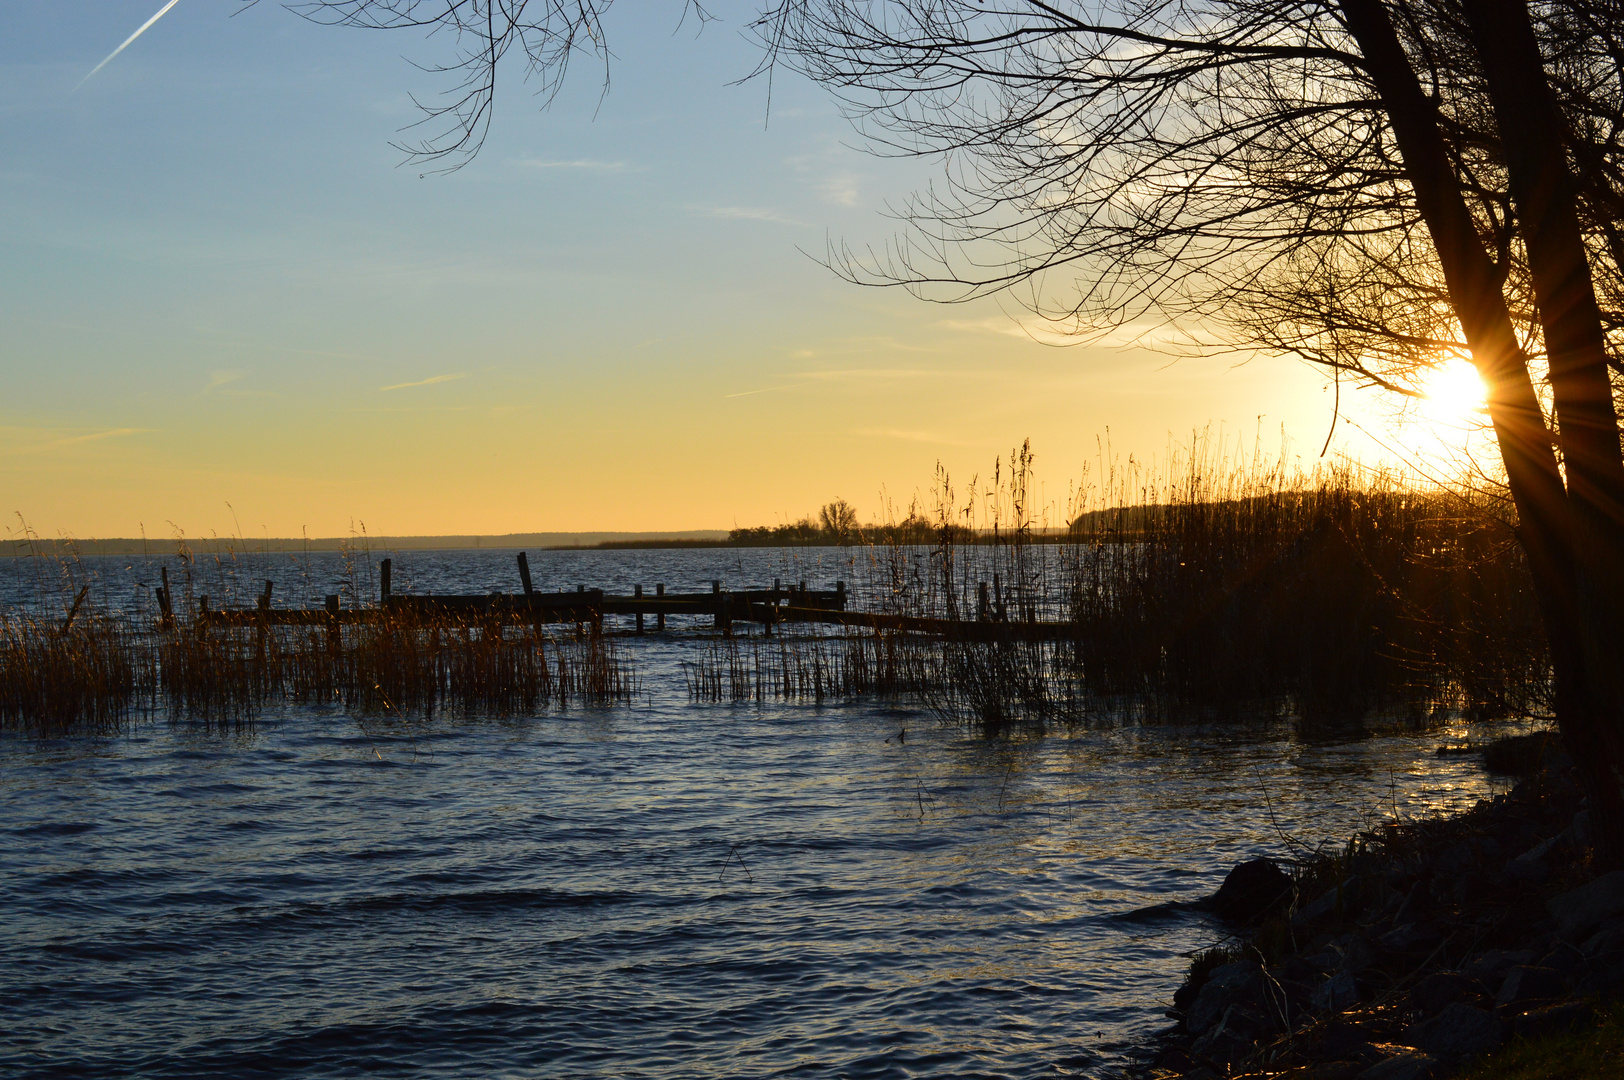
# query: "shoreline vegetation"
1212 589
1488 944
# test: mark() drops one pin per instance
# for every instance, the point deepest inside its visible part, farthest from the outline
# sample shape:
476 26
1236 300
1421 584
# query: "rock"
1438 991
1564 959
1226 986
1356 953
1534 871
1489 969
1580 829
1413 937
1252 890
1336 993
1578 913
1403 1065
1552 1019
1457 1033
1529 983
1233 1037
1606 941
1456 860
1324 907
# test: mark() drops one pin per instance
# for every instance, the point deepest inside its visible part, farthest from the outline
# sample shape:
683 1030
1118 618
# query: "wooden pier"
585 607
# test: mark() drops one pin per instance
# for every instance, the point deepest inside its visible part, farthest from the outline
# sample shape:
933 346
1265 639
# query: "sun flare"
1452 393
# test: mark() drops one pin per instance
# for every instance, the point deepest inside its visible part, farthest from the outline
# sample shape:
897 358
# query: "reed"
90 676
1222 587
103 673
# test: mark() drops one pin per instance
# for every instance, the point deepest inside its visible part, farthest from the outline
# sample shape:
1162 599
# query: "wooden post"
637 591
983 607
840 595
998 598
166 606
580 627
334 641
263 630
659 618
524 573
383 581
716 591
74 610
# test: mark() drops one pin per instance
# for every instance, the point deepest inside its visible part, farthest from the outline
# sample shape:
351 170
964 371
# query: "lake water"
662 890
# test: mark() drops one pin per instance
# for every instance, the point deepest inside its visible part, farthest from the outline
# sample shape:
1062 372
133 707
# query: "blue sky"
226 305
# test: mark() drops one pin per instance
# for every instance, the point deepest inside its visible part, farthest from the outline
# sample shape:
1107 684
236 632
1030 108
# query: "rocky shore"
1412 952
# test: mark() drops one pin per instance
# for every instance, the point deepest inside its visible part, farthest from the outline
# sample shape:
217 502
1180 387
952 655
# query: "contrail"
126 44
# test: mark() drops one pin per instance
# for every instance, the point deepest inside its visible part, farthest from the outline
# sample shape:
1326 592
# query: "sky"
227 307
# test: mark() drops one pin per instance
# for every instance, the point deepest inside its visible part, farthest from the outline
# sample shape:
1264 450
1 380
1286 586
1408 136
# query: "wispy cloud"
840 189
579 163
111 432
905 435
425 382
763 390
139 31
217 379
747 213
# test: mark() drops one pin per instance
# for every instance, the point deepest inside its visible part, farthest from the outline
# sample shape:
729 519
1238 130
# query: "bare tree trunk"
1547 519
1545 196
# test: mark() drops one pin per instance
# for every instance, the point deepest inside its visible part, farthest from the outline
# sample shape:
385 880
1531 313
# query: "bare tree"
1372 185
839 520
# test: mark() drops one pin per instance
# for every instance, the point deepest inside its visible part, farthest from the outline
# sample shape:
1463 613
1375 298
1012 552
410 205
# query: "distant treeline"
54 547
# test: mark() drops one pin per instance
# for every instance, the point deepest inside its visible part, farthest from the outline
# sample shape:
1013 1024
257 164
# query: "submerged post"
333 638
166 607
716 590
637 591
840 595
983 608
383 581
659 616
73 612
263 629
524 573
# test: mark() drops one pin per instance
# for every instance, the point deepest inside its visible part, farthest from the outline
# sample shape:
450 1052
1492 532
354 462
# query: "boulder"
1233 1037
1526 982
1412 938
1225 986
1252 890
1433 994
1489 969
1456 1034
1607 941
1579 912
1336 993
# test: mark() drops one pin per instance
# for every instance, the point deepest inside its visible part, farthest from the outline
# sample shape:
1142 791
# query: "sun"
1453 394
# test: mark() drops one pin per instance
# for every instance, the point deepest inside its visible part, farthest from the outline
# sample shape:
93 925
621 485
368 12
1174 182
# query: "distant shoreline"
279 545
584 541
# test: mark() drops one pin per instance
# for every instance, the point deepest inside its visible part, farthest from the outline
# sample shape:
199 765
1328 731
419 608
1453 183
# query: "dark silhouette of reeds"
1209 591
103 673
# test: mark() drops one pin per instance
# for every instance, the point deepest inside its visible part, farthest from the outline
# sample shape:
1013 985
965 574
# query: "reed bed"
100 677
1215 588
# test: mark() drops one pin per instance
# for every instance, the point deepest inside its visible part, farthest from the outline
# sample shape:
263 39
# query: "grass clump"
1592 1053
